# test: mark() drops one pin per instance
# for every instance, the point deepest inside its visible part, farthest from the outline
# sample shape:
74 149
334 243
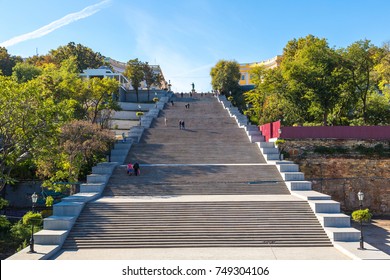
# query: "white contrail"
86 12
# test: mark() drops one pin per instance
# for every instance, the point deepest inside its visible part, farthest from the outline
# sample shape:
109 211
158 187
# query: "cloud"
86 12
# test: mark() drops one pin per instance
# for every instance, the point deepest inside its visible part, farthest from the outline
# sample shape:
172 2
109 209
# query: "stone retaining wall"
345 171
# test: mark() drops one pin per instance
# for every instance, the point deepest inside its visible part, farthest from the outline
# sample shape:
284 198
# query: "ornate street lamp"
34 199
361 197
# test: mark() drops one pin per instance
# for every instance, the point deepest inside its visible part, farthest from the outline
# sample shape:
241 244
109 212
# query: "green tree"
62 82
40 60
314 73
97 100
79 143
23 72
85 57
135 72
266 102
225 76
360 59
4 223
151 78
378 109
382 69
29 118
7 62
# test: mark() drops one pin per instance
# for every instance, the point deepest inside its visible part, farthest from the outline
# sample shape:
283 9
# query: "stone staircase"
196 224
214 184
217 155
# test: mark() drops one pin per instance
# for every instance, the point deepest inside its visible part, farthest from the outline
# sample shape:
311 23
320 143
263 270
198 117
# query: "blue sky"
188 37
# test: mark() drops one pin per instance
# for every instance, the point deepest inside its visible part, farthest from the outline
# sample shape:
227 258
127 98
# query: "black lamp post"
34 199
361 197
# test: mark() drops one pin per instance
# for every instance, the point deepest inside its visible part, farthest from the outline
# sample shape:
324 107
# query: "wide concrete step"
196 224
343 234
197 180
299 185
311 195
293 176
269 150
334 220
288 167
325 206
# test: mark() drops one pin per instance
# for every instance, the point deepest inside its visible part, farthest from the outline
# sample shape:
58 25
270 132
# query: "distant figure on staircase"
183 125
165 121
180 124
130 169
136 169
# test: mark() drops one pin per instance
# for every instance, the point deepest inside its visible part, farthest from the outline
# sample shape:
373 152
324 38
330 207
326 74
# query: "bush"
139 114
4 223
361 215
155 99
20 232
280 142
323 150
32 218
49 201
340 150
3 202
379 149
330 150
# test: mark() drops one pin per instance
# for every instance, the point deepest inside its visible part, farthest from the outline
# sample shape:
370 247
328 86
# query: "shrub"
361 215
32 218
4 223
323 150
340 150
280 142
139 114
49 201
155 99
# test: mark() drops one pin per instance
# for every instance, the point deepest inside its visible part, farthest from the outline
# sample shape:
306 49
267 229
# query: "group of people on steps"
133 169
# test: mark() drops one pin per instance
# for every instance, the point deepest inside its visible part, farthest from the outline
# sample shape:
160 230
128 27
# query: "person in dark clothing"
183 125
136 169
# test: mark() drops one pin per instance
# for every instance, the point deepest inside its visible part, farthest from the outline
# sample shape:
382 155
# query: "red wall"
337 132
271 130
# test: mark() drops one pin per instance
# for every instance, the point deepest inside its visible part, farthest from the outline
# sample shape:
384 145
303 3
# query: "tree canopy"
317 84
135 72
85 57
39 99
225 76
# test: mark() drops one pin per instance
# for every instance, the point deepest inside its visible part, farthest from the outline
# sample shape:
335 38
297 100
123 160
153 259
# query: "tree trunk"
325 120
